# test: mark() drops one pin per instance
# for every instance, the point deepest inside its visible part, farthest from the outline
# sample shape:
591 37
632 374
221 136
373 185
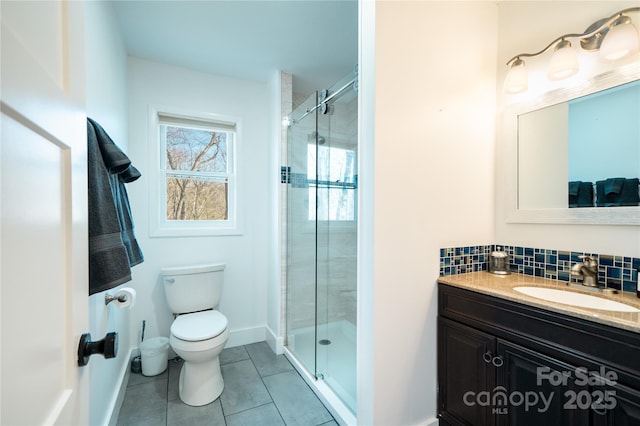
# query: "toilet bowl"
199 332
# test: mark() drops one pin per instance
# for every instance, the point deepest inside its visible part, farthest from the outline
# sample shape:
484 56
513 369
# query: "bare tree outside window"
196 173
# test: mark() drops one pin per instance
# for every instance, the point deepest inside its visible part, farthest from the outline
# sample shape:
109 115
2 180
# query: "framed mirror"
588 135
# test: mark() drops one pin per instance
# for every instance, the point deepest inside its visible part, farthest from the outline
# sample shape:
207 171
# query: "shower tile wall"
286 106
619 272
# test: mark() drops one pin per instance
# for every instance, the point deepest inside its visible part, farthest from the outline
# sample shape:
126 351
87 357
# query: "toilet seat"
199 326
199 346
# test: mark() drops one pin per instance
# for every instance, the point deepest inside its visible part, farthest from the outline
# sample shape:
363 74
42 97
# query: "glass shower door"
301 238
322 238
336 254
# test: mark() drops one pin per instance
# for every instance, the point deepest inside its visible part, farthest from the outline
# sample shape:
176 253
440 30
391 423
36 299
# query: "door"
618 405
336 151
539 388
43 255
465 374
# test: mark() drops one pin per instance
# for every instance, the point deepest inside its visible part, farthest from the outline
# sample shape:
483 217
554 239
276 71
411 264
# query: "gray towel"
630 192
134 253
613 188
113 248
627 194
108 260
574 187
580 194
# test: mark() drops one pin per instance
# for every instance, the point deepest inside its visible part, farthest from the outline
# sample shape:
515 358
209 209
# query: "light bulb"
517 80
621 41
564 62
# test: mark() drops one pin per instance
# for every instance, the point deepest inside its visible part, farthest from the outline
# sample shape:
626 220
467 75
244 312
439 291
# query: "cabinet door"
540 390
626 410
463 374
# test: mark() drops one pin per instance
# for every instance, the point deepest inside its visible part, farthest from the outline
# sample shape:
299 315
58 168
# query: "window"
195 175
336 183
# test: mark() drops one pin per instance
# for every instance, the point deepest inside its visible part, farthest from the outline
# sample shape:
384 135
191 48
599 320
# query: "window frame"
160 226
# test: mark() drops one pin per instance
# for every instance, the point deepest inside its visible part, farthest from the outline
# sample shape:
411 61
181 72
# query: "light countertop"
502 286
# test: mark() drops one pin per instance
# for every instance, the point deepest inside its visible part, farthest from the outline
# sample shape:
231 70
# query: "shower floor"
336 362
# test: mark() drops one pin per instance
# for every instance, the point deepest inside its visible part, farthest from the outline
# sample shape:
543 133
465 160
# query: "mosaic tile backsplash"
617 272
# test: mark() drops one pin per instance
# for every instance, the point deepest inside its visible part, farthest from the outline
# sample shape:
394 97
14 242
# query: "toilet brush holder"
136 365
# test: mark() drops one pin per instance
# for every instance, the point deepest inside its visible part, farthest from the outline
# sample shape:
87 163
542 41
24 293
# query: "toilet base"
200 383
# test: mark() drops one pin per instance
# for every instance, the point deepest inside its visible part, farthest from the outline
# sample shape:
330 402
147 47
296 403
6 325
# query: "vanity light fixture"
564 62
622 40
517 80
614 37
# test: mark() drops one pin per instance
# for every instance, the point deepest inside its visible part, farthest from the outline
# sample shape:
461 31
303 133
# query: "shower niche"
322 211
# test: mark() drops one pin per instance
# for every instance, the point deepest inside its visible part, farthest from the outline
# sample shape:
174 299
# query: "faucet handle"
589 261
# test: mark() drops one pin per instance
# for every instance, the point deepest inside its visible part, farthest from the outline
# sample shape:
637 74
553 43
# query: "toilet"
199 332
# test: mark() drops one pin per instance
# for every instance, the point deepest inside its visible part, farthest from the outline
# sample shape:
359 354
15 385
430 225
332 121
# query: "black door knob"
107 346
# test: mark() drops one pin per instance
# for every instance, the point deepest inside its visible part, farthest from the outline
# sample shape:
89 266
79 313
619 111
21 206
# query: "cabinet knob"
487 357
497 361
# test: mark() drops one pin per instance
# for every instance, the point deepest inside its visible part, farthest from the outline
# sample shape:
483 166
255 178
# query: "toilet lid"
199 326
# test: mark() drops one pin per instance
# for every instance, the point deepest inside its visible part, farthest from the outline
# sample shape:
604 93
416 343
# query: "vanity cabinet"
507 363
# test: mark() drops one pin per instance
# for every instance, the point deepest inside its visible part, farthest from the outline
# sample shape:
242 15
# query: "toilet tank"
193 288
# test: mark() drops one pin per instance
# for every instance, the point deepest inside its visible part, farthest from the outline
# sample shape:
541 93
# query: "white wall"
278 99
244 299
528 26
433 146
106 102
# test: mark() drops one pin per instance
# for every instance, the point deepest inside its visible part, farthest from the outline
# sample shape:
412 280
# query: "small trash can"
155 355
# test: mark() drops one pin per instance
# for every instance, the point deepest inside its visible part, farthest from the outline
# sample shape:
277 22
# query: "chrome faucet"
587 271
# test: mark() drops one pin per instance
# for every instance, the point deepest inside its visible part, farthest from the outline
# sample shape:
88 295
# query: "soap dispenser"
499 262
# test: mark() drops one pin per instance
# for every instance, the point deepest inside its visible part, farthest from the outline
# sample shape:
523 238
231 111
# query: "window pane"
196 150
190 198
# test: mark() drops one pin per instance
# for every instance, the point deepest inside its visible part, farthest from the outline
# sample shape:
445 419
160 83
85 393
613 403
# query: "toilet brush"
136 362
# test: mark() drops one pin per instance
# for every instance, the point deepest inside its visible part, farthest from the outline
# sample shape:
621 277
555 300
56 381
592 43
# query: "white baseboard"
118 397
276 343
246 336
432 422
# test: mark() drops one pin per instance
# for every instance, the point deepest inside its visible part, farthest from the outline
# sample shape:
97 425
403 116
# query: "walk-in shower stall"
322 216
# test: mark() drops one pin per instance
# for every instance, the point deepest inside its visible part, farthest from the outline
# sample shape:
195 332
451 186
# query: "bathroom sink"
575 299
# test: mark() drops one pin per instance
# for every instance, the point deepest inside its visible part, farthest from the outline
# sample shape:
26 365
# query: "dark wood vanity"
509 362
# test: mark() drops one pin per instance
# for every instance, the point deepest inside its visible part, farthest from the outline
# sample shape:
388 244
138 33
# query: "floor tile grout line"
166 403
301 378
155 379
248 409
270 396
314 394
235 362
219 399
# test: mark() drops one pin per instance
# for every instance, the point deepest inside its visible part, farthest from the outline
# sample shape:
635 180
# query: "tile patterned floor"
261 389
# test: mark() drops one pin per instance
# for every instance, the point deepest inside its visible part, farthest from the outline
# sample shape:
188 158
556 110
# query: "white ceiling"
316 41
